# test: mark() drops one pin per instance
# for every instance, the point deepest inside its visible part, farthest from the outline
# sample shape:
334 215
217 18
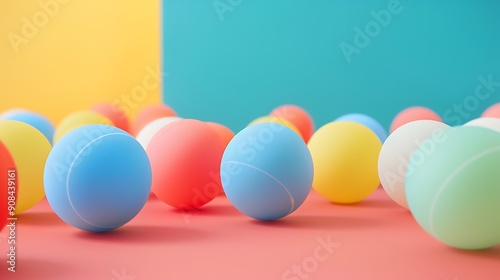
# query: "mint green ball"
453 187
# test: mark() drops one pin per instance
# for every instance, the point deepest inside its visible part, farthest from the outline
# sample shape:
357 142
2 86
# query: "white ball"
149 131
12 112
397 150
490 123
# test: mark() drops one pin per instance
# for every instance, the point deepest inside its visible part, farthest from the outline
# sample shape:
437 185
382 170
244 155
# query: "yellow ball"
78 119
271 119
345 157
29 149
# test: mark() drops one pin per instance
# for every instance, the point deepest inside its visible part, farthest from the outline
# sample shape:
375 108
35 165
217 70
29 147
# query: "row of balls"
267 170
97 171
291 116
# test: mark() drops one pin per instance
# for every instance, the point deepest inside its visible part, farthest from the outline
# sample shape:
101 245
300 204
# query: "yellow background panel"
58 56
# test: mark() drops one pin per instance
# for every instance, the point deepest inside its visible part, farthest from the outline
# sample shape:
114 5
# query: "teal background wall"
231 61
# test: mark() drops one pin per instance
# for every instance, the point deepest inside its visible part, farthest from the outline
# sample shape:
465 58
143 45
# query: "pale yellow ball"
29 149
345 156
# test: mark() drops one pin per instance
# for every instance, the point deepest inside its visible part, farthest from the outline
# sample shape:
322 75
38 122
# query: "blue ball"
97 178
367 121
267 171
36 120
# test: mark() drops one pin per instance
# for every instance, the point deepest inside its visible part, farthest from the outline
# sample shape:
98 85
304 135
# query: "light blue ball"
367 121
97 178
36 120
267 171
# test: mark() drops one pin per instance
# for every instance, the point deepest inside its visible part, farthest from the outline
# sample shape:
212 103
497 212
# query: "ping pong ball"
396 151
114 114
454 192
267 171
491 123
299 117
97 178
78 119
29 150
150 114
414 114
345 156
367 121
277 121
492 112
185 158
150 130
36 120
8 188
225 134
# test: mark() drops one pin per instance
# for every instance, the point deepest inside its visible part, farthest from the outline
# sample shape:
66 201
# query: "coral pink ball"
150 114
492 112
298 117
414 114
225 134
185 158
114 114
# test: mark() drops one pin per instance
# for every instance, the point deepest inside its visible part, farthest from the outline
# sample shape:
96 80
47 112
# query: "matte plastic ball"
185 157
79 119
396 151
97 178
345 156
276 121
367 121
492 112
454 191
225 134
36 120
150 130
299 117
414 114
150 114
491 123
114 114
29 150
267 171
8 188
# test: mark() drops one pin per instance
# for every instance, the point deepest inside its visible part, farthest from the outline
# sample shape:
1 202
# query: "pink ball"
492 112
150 114
185 158
225 134
411 114
298 117
114 114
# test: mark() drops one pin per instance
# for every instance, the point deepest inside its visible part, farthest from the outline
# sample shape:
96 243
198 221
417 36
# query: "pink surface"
375 239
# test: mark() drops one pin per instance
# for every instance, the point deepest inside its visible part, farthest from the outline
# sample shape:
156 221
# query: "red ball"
492 112
413 114
185 158
114 114
150 114
298 117
225 134
6 164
